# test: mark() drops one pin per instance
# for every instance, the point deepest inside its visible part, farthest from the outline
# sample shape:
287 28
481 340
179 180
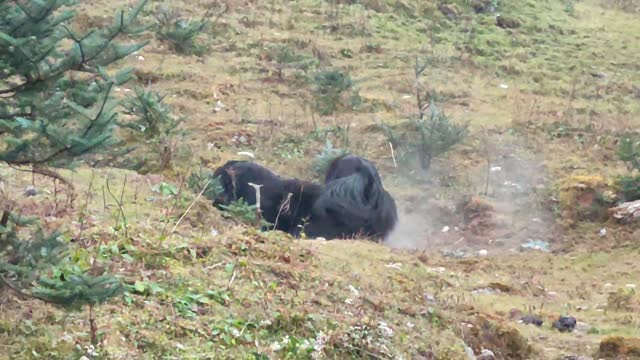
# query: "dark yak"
286 214
353 202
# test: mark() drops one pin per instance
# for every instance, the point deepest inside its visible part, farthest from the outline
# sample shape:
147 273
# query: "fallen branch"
191 205
393 155
45 172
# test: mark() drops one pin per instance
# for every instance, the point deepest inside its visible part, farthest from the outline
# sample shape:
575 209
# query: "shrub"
153 119
629 150
197 181
334 91
629 187
427 137
179 33
242 211
324 159
283 57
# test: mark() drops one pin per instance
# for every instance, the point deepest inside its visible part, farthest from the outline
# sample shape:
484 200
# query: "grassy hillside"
546 94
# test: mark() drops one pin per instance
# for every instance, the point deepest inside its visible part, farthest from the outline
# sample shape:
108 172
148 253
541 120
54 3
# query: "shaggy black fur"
287 215
353 203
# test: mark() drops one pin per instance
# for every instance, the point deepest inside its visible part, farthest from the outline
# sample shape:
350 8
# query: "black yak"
284 212
353 202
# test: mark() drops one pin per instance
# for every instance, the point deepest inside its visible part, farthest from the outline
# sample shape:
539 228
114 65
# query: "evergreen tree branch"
104 102
34 19
111 38
78 42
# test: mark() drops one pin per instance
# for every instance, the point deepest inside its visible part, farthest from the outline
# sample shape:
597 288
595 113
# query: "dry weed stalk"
258 211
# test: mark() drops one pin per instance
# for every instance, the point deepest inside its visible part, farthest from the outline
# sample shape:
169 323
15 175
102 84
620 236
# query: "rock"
582 326
565 323
429 298
405 8
483 6
486 354
456 254
483 291
531 320
30 191
616 347
626 212
469 352
449 10
507 22
576 357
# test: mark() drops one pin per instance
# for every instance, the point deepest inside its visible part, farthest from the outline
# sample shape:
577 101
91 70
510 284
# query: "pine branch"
111 38
36 19
104 102
78 42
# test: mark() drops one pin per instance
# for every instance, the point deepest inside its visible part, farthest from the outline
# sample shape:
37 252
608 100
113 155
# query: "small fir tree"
55 106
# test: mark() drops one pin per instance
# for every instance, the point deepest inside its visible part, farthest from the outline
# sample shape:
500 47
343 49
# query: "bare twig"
169 210
92 326
191 205
395 164
88 196
119 204
233 277
487 154
104 201
285 206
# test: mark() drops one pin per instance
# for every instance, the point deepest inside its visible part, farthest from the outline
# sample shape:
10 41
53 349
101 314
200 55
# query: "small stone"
507 22
449 10
582 326
30 191
483 252
429 298
486 354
